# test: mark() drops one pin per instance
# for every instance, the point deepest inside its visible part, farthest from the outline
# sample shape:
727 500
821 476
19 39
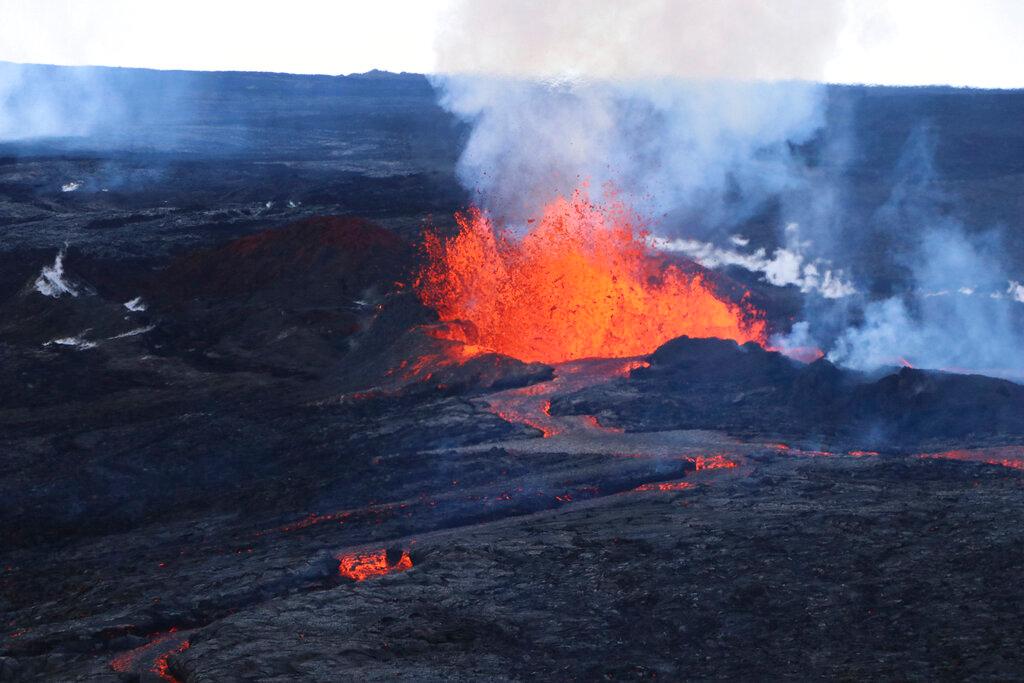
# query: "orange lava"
582 283
531 405
712 462
592 422
132 660
799 452
123 662
161 667
361 566
1004 456
516 414
665 486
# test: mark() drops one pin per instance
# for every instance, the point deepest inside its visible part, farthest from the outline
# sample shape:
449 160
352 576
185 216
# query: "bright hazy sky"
960 42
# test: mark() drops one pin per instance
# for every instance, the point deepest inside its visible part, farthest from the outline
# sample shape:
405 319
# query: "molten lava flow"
162 667
361 566
665 486
518 412
712 462
531 405
135 659
1004 456
582 283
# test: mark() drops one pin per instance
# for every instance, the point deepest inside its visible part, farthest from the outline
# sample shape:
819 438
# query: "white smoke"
615 41
1015 291
52 282
956 311
136 305
789 265
133 333
941 322
79 342
663 99
798 343
40 101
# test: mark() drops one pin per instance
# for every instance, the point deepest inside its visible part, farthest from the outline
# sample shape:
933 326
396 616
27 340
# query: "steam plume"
960 310
666 100
608 40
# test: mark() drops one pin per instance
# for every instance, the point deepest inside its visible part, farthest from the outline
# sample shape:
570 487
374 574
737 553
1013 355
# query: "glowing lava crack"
582 283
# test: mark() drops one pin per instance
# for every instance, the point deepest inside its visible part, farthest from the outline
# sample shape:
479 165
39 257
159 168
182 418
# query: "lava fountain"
581 283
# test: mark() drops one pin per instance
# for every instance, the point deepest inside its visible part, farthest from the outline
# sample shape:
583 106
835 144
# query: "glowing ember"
665 486
313 519
1004 456
361 566
372 514
582 283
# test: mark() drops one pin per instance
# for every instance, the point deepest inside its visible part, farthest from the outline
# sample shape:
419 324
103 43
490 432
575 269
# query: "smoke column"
47 102
678 104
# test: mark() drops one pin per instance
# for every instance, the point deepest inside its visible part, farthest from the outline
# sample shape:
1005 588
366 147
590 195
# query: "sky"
898 42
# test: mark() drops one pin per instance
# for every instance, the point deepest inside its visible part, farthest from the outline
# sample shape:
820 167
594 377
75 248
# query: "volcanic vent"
581 283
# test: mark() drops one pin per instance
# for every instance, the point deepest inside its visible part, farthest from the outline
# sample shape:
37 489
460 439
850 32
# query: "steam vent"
574 340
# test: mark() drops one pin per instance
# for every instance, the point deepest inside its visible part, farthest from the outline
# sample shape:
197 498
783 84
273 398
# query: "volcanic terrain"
250 429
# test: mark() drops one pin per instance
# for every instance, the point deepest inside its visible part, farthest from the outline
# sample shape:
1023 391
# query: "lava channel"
531 405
